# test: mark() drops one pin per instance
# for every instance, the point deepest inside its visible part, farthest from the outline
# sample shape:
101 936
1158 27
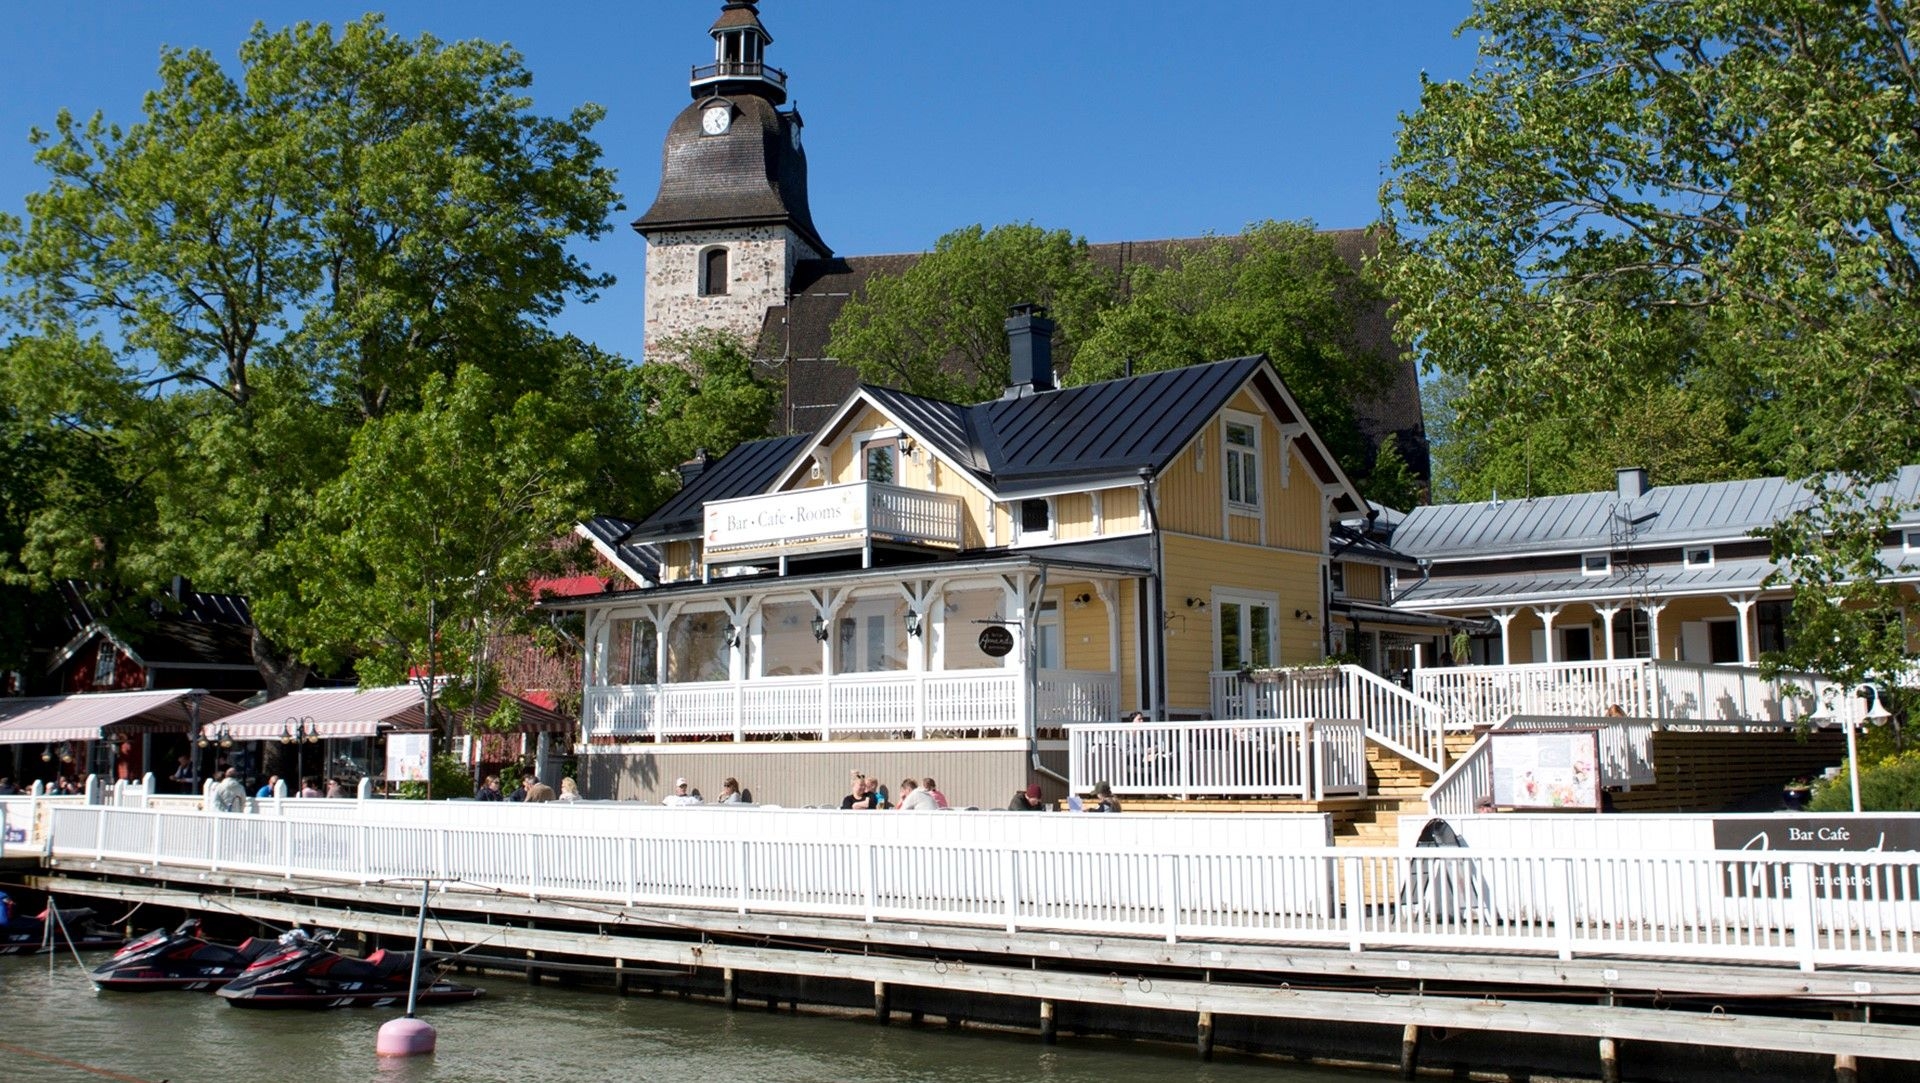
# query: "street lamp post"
299 732
1844 706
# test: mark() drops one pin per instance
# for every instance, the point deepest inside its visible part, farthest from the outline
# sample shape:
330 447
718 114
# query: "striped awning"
103 715
357 712
332 712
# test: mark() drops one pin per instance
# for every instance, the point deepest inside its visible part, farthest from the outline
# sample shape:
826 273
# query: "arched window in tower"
713 272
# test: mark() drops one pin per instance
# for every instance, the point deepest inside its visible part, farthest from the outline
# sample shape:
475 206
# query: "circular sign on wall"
995 641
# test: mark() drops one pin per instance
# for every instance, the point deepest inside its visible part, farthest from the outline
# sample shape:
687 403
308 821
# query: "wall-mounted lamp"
820 628
908 447
1197 603
1080 601
730 635
1301 614
913 623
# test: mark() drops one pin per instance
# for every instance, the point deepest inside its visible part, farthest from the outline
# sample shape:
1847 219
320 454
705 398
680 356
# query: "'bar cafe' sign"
803 513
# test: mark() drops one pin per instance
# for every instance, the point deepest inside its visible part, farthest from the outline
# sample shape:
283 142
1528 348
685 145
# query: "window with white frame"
1241 464
1912 541
1036 519
880 460
1700 556
104 663
1596 564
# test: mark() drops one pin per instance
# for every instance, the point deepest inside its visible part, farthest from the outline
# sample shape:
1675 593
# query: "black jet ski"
305 972
178 959
22 935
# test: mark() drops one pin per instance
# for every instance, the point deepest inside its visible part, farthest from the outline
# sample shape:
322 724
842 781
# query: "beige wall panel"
1073 516
1120 511
1194 567
1365 582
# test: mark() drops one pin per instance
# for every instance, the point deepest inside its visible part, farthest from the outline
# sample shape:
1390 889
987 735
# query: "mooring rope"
104 1073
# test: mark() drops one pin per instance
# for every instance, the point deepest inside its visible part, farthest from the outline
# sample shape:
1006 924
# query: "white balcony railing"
830 518
1292 758
1644 688
899 703
1393 716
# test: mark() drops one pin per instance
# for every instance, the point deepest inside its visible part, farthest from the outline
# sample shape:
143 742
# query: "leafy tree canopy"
220 296
1279 288
1697 194
939 328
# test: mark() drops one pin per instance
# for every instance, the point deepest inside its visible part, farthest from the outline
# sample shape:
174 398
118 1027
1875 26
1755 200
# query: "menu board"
1546 769
407 756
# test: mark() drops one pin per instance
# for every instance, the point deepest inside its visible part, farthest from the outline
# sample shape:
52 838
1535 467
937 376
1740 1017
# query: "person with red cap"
1027 800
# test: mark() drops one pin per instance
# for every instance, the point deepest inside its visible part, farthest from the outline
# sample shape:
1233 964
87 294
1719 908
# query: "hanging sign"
995 641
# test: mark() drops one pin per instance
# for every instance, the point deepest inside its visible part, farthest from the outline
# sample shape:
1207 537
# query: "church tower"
731 219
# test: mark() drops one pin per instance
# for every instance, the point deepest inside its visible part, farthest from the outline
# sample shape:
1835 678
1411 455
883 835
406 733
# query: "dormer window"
1596 564
713 272
1698 557
104 664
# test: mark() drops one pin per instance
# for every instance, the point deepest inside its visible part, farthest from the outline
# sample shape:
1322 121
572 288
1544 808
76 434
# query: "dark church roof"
752 174
817 384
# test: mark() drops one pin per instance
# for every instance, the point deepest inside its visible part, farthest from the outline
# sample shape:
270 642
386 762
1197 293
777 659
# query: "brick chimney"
1030 341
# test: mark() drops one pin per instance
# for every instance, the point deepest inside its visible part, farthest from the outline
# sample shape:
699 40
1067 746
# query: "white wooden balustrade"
1271 758
1626 759
1109 875
901 703
1644 688
1392 716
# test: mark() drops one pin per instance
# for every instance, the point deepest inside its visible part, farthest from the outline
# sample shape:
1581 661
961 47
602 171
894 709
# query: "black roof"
752 174
613 533
744 471
1110 429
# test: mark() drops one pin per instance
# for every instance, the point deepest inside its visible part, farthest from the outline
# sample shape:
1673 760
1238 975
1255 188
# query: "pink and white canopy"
332 712
102 715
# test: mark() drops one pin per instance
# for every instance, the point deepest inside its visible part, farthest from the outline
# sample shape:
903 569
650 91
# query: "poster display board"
1546 769
408 755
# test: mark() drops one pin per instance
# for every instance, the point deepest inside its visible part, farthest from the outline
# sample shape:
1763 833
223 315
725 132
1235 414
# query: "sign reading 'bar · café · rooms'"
802 513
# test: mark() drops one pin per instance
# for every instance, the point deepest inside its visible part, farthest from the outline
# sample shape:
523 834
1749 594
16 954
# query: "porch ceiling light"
913 622
820 628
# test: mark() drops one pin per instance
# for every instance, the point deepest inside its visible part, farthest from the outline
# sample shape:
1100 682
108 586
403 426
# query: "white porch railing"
986 701
1626 759
1393 716
1644 688
1293 758
1101 875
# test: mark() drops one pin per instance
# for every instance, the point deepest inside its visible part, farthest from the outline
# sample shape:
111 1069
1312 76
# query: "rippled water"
519 1032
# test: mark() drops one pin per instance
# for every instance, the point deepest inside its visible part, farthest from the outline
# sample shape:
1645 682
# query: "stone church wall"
760 262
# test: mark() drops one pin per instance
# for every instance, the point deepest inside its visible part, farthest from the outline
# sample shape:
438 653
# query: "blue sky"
1119 120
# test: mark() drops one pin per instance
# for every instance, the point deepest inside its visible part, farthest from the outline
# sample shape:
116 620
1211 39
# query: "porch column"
1743 605
1025 610
1608 612
1652 610
1505 617
1109 594
1546 614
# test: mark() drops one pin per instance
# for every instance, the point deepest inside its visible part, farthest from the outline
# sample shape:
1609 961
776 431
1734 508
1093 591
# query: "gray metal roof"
744 471
1664 515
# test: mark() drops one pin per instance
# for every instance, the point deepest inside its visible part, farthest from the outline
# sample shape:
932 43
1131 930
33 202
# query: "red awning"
356 712
98 716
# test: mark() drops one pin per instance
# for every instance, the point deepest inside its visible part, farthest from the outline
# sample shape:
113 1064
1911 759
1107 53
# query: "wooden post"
1203 1035
1047 1034
620 977
1409 1050
1846 1069
955 1021
881 1010
1609 1061
729 991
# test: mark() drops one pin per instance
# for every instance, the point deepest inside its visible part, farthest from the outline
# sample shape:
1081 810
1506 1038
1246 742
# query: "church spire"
739 57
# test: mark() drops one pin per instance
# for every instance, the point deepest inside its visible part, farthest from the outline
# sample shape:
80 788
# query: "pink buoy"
404 1037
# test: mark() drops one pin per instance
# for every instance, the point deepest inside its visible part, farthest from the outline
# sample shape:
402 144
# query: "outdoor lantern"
819 627
730 635
46 754
1852 717
913 623
286 735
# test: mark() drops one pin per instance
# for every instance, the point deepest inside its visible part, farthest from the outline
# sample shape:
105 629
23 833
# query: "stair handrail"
1409 724
1464 780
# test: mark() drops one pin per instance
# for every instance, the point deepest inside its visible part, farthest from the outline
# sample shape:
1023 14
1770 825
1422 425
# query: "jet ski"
179 959
305 972
22 935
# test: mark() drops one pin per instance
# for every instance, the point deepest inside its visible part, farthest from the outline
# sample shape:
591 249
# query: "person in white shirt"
681 795
915 798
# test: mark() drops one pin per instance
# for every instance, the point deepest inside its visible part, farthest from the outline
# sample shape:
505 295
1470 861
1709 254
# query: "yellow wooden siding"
1072 516
1192 497
1364 582
1194 567
1083 628
1120 511
1128 599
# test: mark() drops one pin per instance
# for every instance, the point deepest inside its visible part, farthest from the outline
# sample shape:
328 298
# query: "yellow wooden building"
925 587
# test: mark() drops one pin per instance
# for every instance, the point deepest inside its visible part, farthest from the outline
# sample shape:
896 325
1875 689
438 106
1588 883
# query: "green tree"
939 328
224 292
1279 288
1705 194
1669 214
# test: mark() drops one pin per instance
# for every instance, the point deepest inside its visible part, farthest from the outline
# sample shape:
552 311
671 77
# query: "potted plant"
1796 793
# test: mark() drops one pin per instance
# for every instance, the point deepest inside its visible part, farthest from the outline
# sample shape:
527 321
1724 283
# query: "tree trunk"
279 670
